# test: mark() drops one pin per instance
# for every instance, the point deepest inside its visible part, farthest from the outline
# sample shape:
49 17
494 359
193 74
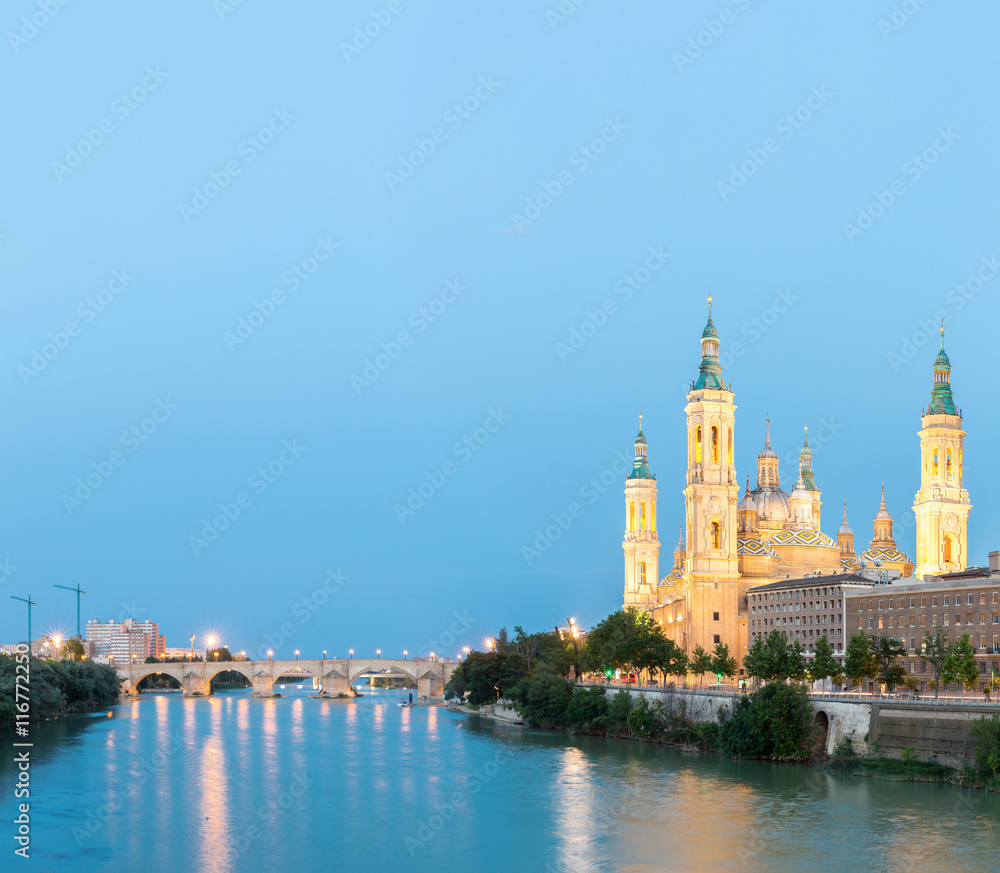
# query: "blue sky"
259 236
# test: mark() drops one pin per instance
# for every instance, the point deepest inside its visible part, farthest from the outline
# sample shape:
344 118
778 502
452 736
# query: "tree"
220 654
960 665
885 651
823 664
700 663
774 659
795 662
858 660
754 662
774 722
934 650
626 640
722 664
74 648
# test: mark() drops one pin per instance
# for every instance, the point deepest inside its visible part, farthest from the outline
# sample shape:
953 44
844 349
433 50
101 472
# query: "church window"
652 517
934 464
631 518
715 445
642 573
717 639
716 535
642 515
715 616
697 445
730 447
947 464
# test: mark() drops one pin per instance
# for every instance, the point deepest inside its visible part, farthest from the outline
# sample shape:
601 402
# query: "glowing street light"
352 653
57 640
378 653
296 654
405 653
269 653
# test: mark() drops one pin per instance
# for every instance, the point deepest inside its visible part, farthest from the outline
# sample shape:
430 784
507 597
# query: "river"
230 783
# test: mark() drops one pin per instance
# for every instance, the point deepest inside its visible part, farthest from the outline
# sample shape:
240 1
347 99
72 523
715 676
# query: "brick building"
806 609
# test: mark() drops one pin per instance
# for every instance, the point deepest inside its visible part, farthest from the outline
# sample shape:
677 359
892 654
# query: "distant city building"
731 543
125 641
434 659
183 654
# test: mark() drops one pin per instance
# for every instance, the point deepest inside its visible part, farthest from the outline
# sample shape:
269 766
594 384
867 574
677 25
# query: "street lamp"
296 654
324 654
378 653
208 651
352 653
405 653
269 653
57 641
192 647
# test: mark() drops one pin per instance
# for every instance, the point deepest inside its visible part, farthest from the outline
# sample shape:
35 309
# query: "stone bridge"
333 677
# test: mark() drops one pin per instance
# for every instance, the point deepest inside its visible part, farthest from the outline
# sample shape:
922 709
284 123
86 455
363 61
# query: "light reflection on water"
382 787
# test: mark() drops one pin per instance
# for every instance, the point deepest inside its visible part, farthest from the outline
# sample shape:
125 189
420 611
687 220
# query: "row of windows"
949 473
992 648
935 620
795 607
934 601
800 594
838 647
771 622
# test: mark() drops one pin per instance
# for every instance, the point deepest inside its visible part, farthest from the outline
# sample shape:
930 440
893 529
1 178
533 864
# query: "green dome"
710 332
941 362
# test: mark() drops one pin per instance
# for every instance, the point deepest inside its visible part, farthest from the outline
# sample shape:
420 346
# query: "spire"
710 372
640 466
680 553
942 401
845 537
883 526
747 515
805 465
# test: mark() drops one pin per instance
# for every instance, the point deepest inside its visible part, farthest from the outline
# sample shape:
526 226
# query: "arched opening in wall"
947 464
949 549
715 445
934 463
697 444
652 517
822 724
642 515
631 518
716 535
730 447
642 573
157 682
229 680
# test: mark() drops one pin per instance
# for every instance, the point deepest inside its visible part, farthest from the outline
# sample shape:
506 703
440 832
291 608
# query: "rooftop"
813 581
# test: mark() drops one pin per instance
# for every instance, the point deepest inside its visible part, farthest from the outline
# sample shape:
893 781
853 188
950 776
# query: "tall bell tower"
710 499
941 505
641 543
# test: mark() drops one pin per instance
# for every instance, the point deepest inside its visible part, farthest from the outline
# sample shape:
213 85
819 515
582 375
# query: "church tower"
941 505
806 471
710 500
641 544
845 537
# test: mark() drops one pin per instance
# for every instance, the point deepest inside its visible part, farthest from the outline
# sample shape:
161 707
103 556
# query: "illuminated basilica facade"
732 541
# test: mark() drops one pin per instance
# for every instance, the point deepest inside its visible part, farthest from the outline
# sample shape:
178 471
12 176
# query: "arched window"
642 515
948 549
947 464
730 447
716 535
697 445
642 573
934 463
652 520
715 445
631 518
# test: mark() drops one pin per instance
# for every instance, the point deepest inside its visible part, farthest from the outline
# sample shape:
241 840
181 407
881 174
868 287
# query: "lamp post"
378 653
30 603
269 653
192 648
208 651
352 653
324 654
57 640
296 654
405 653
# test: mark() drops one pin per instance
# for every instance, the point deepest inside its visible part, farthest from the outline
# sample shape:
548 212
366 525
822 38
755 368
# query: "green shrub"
986 748
774 722
587 708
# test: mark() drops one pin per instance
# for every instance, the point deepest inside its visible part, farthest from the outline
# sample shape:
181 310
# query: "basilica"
733 541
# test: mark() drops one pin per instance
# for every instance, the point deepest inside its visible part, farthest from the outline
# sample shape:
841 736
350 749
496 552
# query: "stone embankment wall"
932 730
